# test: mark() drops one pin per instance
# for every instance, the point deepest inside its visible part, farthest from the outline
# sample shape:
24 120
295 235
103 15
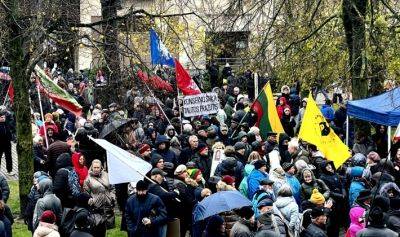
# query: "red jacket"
81 170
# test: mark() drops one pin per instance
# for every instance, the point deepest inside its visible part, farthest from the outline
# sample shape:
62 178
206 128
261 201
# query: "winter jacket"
60 182
241 229
332 180
53 152
151 207
288 124
186 155
355 226
49 201
355 187
314 231
167 154
289 209
103 195
253 182
38 157
393 220
295 186
279 180
230 166
275 224
307 188
81 170
386 187
328 112
243 187
371 231
6 226
203 163
168 198
280 108
80 233
46 230
5 189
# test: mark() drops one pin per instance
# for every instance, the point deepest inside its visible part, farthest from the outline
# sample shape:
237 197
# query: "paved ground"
3 169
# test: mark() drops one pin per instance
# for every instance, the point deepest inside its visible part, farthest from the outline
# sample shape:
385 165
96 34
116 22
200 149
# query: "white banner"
201 104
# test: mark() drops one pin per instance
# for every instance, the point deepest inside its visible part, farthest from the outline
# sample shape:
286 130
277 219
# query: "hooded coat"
281 107
307 188
283 149
230 166
60 182
332 180
81 170
355 226
167 154
253 182
289 209
243 187
49 201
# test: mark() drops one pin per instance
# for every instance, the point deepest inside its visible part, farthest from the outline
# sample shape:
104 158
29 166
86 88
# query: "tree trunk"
19 58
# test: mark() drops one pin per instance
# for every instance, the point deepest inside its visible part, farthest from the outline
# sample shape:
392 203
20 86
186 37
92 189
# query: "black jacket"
5 189
393 220
168 199
60 182
203 163
5 135
313 231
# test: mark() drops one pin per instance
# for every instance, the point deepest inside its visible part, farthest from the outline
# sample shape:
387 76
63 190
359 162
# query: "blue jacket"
295 186
253 182
151 207
167 154
355 188
328 112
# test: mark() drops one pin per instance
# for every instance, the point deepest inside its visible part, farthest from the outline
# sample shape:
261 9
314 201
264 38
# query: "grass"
19 229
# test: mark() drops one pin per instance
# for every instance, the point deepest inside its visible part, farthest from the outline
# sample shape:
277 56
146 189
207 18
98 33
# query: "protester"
316 228
48 202
5 142
47 226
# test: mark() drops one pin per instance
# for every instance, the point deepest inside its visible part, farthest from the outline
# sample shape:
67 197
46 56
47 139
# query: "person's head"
50 132
308 176
229 180
287 111
318 216
289 168
203 149
96 167
282 101
82 159
157 175
224 129
285 191
145 150
265 206
181 172
38 140
272 137
317 198
375 216
196 175
236 90
2 117
304 103
215 226
285 90
141 189
193 142
329 167
293 145
253 157
260 165
48 217
162 146
266 184
240 147
398 155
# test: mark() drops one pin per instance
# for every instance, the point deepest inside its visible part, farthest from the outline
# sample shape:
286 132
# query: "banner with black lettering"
201 104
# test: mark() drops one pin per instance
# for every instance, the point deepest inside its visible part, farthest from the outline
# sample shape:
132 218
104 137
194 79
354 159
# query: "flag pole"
179 107
259 93
157 103
41 113
389 140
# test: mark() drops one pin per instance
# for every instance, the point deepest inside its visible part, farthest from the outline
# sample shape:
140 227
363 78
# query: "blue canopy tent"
381 109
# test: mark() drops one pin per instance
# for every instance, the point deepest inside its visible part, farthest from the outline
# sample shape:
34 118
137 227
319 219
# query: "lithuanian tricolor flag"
56 93
267 116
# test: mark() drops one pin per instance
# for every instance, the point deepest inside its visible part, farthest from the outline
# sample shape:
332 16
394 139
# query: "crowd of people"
293 188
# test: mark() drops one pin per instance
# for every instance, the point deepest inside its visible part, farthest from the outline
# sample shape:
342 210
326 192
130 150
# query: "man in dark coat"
316 228
162 148
5 142
160 188
188 152
202 160
61 186
53 152
145 213
376 225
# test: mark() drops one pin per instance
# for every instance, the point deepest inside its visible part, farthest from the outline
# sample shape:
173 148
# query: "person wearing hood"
282 105
288 122
253 157
230 166
390 190
285 92
283 148
47 226
49 201
145 213
376 225
241 149
162 148
61 185
328 111
82 226
215 227
309 183
103 198
256 176
393 215
228 108
357 221
286 207
33 197
355 175
170 132
203 160
152 135
223 135
337 193
79 163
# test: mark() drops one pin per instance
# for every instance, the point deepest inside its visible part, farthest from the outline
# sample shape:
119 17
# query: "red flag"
10 92
184 81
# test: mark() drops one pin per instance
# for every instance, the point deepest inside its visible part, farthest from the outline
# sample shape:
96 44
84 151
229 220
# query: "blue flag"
159 53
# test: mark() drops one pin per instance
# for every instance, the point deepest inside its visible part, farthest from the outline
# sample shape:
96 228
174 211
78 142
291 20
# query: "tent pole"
389 140
347 130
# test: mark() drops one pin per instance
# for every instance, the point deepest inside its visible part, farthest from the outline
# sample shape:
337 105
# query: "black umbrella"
113 126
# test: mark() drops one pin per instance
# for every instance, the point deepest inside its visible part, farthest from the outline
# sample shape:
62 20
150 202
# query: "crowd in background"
294 190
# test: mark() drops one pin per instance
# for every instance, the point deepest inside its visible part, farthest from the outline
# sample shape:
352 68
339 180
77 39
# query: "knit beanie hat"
317 198
48 217
228 179
143 148
194 173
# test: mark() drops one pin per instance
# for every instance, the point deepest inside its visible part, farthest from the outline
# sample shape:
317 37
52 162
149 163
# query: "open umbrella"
113 126
219 202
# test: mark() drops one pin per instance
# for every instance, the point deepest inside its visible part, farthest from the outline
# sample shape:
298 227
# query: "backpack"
73 183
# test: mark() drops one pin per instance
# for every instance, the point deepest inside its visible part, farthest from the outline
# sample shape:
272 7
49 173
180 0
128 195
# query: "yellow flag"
315 130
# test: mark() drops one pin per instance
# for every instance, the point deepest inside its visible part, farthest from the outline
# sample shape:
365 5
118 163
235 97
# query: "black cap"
364 195
266 181
259 163
271 134
141 185
156 171
317 211
287 166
